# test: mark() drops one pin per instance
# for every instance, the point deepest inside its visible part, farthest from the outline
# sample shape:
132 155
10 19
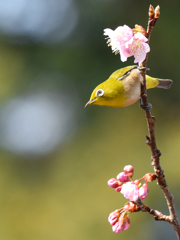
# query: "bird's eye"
99 92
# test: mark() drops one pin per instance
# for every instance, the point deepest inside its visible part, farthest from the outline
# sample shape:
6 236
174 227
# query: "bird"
123 88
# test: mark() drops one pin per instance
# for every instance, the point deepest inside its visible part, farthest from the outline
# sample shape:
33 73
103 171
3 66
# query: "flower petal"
130 191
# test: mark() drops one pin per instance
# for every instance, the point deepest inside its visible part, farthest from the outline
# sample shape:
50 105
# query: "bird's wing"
124 72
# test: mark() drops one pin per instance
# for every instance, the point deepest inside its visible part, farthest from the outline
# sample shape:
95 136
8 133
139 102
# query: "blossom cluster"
128 42
131 190
119 219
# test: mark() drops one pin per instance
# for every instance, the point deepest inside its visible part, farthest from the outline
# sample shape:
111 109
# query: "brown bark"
155 153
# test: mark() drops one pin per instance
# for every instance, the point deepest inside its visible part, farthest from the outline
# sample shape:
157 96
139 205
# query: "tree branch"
151 141
158 216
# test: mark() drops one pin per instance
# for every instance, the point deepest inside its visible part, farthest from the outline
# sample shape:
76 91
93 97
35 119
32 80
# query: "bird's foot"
145 107
142 68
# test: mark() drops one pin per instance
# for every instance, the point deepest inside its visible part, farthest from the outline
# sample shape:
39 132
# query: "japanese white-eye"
123 88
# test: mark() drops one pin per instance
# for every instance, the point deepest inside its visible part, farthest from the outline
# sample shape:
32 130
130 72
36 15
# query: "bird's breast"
132 89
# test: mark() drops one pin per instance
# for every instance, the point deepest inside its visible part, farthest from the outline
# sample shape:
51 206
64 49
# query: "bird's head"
98 95
106 93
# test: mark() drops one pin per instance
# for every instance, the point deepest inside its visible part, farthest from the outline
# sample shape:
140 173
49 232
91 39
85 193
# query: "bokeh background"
55 156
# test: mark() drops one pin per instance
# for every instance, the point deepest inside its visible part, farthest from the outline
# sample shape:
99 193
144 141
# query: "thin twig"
151 141
158 216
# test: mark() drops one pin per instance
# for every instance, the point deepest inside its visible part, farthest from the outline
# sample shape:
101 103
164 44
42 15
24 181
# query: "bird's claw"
142 68
145 107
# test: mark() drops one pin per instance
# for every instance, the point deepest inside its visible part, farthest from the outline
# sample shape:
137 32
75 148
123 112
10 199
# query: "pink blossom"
113 183
118 37
122 177
129 170
113 217
128 43
130 191
138 47
143 191
124 53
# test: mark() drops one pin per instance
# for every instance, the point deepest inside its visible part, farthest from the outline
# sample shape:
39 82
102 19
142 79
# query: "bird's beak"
89 103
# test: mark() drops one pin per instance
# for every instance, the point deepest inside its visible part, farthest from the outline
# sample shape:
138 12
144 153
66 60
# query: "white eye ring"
99 92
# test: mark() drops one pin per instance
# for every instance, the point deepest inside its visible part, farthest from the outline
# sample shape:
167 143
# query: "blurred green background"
55 156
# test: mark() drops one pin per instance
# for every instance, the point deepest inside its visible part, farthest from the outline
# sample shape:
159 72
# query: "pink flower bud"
157 12
113 183
126 222
122 224
117 228
122 177
143 191
130 191
118 189
129 170
114 217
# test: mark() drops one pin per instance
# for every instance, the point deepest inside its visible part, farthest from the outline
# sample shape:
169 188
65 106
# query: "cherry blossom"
128 42
138 47
117 40
130 191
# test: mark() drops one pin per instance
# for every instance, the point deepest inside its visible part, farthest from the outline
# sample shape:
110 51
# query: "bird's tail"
159 83
164 83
